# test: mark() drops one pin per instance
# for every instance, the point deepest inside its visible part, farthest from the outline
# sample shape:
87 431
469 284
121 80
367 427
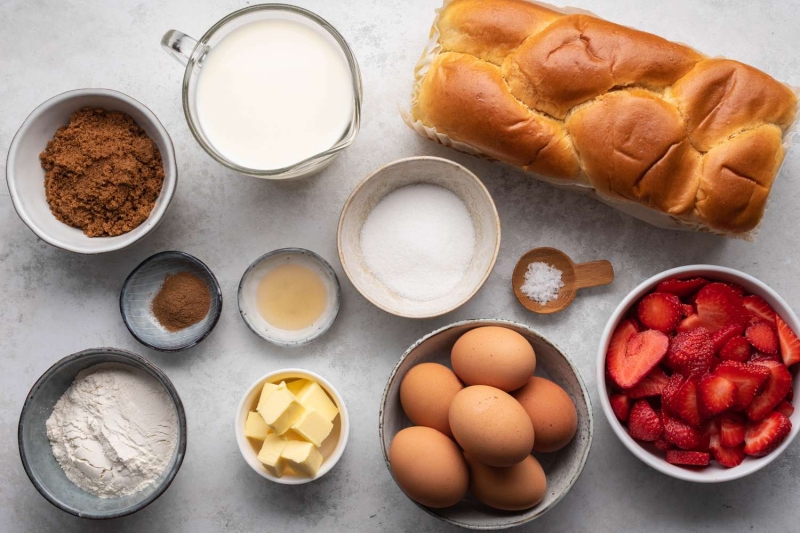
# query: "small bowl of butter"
292 426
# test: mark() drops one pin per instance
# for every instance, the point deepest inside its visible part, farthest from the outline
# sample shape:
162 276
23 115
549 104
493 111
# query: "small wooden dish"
574 276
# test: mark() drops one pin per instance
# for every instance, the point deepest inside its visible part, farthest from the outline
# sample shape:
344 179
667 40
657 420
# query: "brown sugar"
103 174
182 301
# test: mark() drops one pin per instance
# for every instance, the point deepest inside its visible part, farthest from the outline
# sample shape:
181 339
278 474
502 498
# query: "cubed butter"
296 386
270 454
280 410
313 427
312 396
302 457
266 391
255 427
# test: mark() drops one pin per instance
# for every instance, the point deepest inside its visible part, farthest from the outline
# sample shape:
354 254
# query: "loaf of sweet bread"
649 126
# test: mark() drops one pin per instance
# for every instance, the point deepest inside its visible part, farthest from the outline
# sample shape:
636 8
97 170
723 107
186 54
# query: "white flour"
114 431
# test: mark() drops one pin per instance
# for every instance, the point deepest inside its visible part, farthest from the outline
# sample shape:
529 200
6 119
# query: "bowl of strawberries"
696 372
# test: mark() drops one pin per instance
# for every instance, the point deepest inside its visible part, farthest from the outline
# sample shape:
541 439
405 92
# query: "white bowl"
333 447
415 170
25 175
562 468
714 473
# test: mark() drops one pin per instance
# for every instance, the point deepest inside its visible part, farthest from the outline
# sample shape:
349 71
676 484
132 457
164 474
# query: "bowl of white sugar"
419 237
102 433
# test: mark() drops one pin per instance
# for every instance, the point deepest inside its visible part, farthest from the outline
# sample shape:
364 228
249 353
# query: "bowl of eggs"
485 424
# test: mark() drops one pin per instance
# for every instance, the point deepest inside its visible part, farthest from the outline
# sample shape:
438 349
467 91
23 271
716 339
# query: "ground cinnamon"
103 174
182 301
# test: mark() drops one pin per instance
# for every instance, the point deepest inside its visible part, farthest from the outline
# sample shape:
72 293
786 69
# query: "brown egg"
429 467
425 394
552 413
491 426
514 488
494 356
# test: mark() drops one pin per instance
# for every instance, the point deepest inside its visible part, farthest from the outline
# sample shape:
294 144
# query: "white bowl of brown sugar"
91 171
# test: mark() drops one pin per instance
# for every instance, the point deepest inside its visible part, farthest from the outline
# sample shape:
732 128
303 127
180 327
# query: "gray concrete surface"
55 303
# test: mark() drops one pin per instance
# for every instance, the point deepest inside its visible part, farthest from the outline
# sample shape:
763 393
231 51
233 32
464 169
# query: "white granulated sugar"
114 431
419 241
542 282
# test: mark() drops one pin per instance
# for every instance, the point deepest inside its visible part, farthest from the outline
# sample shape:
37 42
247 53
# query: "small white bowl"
416 170
333 447
25 175
713 473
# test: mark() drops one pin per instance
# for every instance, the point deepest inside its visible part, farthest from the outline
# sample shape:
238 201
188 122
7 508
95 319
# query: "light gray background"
55 303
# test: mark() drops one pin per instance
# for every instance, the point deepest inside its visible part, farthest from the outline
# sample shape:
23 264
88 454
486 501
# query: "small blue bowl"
37 454
142 286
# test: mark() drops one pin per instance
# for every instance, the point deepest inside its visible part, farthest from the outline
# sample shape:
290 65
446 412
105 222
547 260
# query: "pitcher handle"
178 45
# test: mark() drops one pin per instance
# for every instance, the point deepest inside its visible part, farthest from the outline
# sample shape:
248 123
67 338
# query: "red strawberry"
737 349
619 342
680 457
681 287
689 323
759 309
686 402
691 352
762 337
621 405
790 344
663 444
760 356
738 289
778 385
785 408
748 380
660 311
652 385
718 305
721 337
763 437
643 353
709 430
728 457
687 310
716 394
682 435
790 395
731 429
670 392
643 423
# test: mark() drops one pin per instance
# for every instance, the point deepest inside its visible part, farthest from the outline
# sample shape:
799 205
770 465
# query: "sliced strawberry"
764 436
621 405
718 305
737 349
686 402
709 430
689 323
643 353
760 356
785 408
790 344
619 343
728 457
681 288
738 289
684 458
748 380
651 385
759 309
660 311
691 352
677 432
763 337
687 310
663 444
721 337
670 392
643 422
731 429
778 385
790 395
716 394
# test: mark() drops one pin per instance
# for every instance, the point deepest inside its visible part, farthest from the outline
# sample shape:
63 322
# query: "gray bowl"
37 454
142 286
562 467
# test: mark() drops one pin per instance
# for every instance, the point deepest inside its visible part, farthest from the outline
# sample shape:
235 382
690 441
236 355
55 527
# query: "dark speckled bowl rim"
136 361
478 322
211 325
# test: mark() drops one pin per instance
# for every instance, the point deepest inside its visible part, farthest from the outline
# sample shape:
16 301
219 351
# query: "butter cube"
313 427
280 410
303 457
312 396
296 386
255 427
266 391
270 454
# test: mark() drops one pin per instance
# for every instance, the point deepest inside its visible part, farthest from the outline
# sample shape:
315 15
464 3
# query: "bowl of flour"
102 433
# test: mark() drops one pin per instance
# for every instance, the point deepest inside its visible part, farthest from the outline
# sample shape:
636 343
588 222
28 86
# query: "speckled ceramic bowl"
37 454
562 467
141 287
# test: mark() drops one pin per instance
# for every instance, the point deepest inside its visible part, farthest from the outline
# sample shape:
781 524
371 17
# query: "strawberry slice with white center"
660 311
718 305
749 379
652 385
778 385
737 349
724 335
789 343
763 337
716 394
643 352
731 429
682 288
763 437
759 309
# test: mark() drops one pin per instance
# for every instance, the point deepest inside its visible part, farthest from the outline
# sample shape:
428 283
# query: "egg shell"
429 467
515 488
551 411
494 356
491 426
425 394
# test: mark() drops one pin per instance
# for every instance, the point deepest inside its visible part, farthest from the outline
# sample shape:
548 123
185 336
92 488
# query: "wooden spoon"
574 276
